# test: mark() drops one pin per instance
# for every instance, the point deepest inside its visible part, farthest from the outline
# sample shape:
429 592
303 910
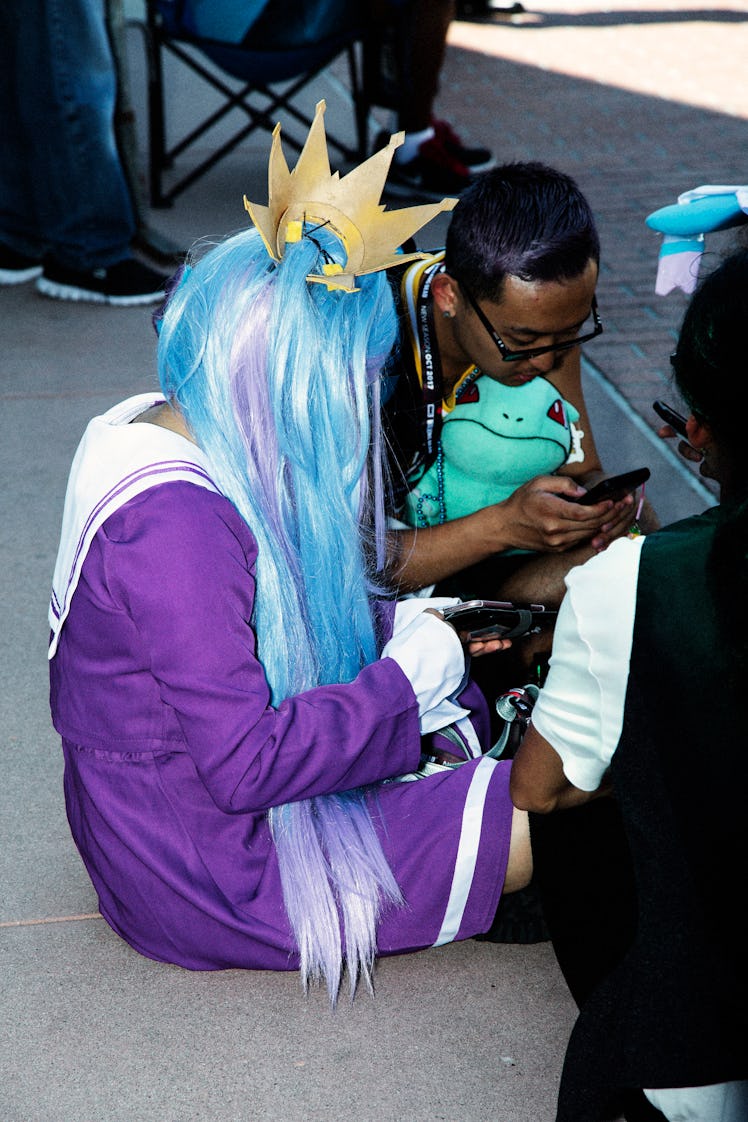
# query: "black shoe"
16 268
481 9
519 919
125 284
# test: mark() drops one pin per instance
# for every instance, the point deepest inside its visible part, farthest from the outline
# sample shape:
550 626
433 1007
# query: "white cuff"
430 655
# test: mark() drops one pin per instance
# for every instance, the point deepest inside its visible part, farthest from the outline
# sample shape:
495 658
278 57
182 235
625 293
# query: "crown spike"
279 177
313 165
362 187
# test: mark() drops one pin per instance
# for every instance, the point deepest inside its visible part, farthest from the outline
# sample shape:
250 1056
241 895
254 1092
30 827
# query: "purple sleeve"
183 569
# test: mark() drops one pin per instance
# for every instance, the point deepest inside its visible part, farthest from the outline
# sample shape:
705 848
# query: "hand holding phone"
615 488
676 421
500 619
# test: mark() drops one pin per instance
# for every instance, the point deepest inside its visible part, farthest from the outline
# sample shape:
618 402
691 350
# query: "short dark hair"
524 220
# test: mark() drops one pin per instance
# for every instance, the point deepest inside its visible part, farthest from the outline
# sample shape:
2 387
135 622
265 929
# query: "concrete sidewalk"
639 101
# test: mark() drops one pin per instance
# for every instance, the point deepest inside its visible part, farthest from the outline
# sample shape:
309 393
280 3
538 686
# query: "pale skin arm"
519 866
538 783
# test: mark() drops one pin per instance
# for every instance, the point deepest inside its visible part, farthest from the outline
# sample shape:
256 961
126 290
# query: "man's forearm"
538 783
535 518
417 558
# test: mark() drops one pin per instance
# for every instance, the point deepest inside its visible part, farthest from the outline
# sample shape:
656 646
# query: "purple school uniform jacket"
173 753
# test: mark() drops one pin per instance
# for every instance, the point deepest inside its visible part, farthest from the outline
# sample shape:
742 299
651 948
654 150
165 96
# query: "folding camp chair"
273 56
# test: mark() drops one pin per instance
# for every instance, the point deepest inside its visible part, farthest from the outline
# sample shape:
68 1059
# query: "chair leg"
161 156
157 160
361 106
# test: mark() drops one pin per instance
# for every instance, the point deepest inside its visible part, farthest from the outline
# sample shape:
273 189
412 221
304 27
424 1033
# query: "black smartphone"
497 619
676 420
614 488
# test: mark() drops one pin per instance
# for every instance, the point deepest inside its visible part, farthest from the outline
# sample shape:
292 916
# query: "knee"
519 866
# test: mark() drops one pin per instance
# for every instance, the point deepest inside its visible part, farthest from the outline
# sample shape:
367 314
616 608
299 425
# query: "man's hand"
538 517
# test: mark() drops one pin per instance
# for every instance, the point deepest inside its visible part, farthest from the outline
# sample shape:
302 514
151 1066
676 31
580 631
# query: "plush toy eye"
556 412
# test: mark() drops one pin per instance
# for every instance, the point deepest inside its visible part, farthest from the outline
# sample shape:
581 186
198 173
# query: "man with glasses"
506 305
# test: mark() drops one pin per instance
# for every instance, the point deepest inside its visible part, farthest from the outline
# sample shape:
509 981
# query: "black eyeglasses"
532 352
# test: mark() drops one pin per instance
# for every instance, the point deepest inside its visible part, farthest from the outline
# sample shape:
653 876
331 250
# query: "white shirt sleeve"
580 708
430 654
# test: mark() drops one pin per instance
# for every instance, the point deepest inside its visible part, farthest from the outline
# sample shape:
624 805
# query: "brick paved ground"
637 100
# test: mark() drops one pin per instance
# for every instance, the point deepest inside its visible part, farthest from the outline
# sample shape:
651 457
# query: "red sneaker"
432 174
474 159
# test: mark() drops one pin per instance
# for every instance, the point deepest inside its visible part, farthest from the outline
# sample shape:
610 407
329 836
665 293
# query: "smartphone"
676 420
615 488
497 619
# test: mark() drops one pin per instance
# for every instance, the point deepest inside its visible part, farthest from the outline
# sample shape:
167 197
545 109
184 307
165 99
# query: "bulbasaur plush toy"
495 439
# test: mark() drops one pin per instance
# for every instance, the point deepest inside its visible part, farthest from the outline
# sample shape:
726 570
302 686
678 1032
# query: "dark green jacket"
675 1011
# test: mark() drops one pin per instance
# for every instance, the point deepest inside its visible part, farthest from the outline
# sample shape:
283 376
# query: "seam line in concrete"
49 919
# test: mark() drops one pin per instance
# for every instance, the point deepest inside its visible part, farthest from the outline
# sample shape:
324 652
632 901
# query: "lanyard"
431 367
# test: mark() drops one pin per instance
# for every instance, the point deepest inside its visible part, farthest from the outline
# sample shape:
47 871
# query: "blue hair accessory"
684 225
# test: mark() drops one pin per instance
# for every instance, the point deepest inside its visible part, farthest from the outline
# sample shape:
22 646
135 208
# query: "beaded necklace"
421 520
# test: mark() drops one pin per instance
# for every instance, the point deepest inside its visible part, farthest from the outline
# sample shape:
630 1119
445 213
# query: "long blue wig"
278 381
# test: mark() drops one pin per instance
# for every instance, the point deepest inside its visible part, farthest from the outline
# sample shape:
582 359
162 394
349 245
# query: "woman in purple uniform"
235 695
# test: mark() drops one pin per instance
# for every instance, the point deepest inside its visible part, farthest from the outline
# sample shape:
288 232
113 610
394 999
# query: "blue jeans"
63 190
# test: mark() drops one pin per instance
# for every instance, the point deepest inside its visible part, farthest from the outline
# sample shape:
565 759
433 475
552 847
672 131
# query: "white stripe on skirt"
467 851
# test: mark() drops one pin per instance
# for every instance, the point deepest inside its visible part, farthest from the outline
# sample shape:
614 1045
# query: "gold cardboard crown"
311 195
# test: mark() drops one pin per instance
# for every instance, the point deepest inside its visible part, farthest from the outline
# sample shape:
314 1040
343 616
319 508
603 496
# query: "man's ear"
698 433
445 293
